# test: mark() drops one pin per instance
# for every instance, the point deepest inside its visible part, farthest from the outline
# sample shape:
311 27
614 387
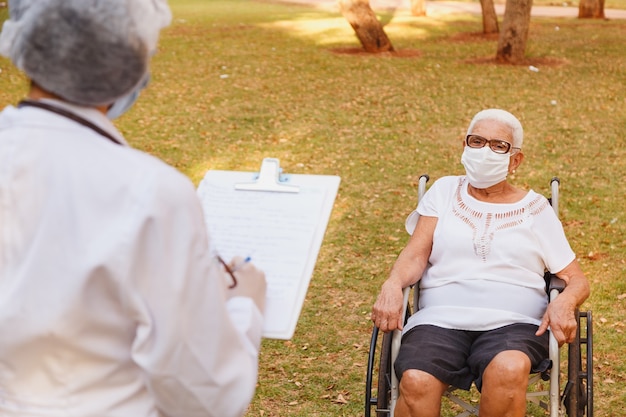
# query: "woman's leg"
420 395
428 356
505 382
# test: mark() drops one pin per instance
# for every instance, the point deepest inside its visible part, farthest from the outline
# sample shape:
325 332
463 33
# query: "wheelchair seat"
575 400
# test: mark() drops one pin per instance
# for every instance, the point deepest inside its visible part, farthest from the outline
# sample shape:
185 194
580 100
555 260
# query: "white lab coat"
112 302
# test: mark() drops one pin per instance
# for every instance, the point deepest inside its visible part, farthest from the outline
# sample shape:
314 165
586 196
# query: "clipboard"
279 221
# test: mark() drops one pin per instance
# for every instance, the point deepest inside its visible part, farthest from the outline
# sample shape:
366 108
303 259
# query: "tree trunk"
366 25
591 9
490 18
514 34
418 7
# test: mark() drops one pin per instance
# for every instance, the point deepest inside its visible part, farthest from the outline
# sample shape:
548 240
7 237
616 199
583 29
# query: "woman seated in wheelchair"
480 249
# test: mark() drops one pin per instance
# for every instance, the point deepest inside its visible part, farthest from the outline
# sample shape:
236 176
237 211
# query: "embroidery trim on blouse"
484 225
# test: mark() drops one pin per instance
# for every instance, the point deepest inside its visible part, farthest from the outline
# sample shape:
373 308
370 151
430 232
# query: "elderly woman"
479 251
112 299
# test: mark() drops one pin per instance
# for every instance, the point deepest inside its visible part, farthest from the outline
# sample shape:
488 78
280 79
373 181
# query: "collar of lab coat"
88 113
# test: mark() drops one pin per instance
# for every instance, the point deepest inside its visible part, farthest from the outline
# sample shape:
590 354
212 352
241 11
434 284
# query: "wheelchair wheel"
579 388
385 369
381 402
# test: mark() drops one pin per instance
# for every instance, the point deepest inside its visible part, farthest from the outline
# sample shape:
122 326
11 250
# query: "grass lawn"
238 80
608 4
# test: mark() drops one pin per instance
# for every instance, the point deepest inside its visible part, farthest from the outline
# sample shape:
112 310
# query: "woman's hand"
560 317
250 282
387 311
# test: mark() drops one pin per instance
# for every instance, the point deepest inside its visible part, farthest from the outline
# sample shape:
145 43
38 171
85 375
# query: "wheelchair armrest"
554 283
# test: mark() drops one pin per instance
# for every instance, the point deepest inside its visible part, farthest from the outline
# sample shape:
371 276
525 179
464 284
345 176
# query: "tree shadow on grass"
491 60
357 51
473 37
536 62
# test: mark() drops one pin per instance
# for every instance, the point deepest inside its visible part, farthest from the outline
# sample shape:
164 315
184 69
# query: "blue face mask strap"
122 104
69 115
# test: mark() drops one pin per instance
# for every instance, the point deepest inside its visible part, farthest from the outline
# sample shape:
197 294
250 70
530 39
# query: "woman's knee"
508 366
416 383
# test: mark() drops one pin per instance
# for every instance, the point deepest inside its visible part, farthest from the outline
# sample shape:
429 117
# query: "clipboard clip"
268 180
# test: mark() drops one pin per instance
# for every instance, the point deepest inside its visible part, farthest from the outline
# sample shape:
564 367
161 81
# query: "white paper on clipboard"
282 232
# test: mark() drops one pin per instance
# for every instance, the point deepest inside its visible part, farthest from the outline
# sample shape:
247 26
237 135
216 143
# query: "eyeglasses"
496 145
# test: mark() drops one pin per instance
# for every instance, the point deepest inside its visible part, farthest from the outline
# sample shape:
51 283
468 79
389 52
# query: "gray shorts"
459 357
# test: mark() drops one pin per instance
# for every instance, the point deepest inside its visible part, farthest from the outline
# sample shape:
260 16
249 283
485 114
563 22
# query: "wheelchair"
575 400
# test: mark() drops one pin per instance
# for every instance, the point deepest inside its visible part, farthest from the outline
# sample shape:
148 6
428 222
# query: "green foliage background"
238 80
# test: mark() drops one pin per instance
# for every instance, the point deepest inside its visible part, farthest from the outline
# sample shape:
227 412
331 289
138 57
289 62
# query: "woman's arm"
408 269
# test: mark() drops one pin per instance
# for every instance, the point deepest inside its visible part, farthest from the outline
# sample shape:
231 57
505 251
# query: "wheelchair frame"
576 399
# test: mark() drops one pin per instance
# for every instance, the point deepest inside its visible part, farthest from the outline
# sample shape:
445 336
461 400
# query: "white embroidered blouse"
488 260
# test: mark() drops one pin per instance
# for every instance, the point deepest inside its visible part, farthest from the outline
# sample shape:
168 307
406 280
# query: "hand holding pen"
231 269
247 280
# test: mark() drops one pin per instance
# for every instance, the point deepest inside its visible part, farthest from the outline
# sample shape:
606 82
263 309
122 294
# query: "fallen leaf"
593 256
340 400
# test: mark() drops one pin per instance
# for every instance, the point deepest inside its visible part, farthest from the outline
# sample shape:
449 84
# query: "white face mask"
484 167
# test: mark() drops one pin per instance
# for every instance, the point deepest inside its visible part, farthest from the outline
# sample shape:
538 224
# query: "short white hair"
504 117
88 52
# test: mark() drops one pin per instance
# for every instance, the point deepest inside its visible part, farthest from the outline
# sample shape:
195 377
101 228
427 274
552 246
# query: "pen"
242 263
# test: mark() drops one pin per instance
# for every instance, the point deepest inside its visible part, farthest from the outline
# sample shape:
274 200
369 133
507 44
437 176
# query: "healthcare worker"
113 300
